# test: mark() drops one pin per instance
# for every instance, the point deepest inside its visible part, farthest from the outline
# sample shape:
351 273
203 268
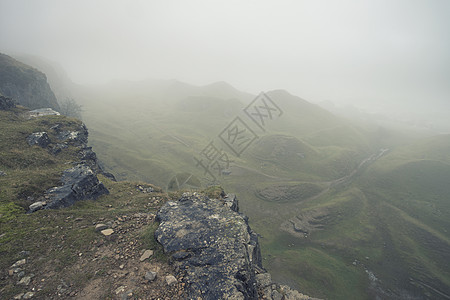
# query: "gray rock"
56 149
25 280
276 295
43 112
89 158
77 137
79 183
37 206
28 295
24 253
146 254
101 227
107 232
3 173
220 252
18 296
38 138
263 279
170 280
19 263
231 201
150 275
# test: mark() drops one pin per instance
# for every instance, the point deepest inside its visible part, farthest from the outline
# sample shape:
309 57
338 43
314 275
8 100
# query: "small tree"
71 108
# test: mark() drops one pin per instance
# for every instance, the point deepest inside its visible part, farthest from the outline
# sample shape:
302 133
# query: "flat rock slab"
146 254
107 232
212 246
170 280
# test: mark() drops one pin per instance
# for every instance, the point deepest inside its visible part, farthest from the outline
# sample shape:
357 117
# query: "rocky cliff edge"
214 250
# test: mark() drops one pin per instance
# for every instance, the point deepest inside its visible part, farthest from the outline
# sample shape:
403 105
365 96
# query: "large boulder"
79 183
212 246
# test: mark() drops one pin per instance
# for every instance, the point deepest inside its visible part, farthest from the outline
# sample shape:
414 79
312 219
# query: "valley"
318 189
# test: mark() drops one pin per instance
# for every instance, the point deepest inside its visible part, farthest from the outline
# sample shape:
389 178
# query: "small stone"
107 232
147 254
18 296
100 227
25 280
11 272
120 289
150 275
24 253
122 266
19 263
170 279
2 173
28 295
36 206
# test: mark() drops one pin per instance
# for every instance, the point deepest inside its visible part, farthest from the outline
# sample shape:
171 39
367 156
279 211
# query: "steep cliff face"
26 85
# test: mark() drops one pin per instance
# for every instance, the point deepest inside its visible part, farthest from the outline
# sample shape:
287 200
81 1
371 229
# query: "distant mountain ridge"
25 84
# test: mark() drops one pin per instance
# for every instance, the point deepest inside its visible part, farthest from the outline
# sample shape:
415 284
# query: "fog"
376 55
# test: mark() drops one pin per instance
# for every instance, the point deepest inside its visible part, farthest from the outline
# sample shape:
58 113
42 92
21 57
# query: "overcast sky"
378 51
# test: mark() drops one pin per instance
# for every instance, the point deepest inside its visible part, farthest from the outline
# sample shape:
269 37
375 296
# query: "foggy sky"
383 52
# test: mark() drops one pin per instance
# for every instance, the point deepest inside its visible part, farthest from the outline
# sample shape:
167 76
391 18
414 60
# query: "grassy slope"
368 225
65 256
142 141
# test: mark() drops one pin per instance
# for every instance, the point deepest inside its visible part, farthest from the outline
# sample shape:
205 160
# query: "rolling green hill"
344 212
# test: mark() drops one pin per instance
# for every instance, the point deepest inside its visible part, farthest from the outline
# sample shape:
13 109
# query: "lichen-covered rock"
79 183
38 138
212 246
77 138
216 253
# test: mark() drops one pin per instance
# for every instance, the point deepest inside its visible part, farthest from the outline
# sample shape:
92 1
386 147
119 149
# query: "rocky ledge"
79 182
214 250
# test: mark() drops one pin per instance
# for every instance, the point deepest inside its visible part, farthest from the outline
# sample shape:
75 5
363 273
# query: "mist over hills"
345 209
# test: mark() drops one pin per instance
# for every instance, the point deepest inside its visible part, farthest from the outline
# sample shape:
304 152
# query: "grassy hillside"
60 253
344 212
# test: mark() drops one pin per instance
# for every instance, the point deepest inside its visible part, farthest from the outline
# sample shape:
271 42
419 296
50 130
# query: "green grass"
387 216
57 239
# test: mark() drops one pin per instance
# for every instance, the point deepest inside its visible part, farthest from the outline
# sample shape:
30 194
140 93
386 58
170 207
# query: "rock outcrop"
25 84
215 251
79 183
6 103
40 139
